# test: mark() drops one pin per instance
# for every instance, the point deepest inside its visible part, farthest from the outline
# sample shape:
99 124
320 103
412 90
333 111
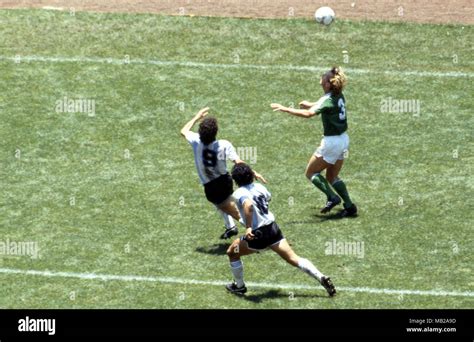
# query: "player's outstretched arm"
186 128
306 104
303 113
259 177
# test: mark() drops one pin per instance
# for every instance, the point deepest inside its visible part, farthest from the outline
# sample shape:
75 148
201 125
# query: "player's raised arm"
199 115
303 113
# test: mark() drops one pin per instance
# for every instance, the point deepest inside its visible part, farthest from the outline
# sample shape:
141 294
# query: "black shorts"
219 189
266 236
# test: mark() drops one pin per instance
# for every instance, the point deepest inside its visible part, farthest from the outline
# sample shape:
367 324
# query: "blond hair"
337 79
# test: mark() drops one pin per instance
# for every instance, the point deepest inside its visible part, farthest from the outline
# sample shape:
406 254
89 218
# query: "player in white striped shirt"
210 156
262 232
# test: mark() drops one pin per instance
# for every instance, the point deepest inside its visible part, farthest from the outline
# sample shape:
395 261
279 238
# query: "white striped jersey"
211 159
260 198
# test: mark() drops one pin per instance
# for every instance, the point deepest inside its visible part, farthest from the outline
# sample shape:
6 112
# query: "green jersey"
333 113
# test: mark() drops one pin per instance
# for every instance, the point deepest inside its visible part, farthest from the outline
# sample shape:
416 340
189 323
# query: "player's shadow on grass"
317 218
215 249
294 223
333 216
275 294
328 217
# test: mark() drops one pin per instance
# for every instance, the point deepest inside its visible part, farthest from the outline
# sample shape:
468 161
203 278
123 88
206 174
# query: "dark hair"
242 174
208 130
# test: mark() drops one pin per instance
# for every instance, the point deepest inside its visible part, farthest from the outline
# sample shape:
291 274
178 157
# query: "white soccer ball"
324 15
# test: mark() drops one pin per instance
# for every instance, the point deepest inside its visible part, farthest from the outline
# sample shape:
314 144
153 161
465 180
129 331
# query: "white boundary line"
172 280
190 64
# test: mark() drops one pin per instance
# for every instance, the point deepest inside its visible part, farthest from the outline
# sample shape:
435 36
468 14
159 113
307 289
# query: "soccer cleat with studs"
331 204
232 288
348 212
328 285
229 232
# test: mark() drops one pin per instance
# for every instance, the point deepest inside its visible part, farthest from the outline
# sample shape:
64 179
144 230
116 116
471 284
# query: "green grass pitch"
117 193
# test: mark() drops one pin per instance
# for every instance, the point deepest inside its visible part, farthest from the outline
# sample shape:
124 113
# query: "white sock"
307 266
237 269
228 220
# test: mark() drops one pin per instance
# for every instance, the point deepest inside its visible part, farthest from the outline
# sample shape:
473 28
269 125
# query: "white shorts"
333 148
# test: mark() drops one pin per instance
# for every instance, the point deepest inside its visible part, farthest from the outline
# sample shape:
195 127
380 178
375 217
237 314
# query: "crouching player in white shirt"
262 232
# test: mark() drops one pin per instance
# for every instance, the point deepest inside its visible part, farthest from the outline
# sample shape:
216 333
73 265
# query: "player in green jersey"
334 146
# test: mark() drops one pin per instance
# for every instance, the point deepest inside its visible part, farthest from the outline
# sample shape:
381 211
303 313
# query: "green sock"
341 189
322 184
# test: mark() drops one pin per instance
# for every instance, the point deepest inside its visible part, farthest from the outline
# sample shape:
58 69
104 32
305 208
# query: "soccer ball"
324 15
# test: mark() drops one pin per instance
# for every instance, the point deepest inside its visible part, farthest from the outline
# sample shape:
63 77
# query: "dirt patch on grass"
428 11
